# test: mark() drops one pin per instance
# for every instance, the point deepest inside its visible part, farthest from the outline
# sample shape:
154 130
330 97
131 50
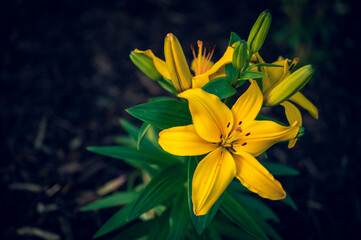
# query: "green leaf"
160 229
113 200
143 130
134 157
163 114
129 128
230 231
116 221
251 74
220 87
261 117
167 85
159 189
179 217
289 201
233 39
236 212
268 229
231 72
200 222
126 141
279 169
258 207
136 230
264 65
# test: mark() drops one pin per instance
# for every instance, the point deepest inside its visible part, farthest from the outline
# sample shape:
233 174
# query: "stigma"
202 61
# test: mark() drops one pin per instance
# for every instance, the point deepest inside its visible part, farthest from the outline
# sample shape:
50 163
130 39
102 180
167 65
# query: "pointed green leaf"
279 169
264 65
230 231
159 189
251 74
129 128
200 222
257 207
143 130
113 200
136 230
134 157
163 114
236 212
289 201
179 217
116 221
126 141
160 229
233 39
220 87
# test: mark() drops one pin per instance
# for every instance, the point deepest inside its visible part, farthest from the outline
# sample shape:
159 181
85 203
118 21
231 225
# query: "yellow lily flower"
276 76
232 138
176 69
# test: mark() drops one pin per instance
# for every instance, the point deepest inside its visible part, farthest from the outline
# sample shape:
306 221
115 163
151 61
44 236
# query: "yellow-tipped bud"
145 64
181 76
259 32
289 86
239 59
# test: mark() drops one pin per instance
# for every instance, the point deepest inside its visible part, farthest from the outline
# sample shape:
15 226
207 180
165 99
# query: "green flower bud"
239 59
289 86
259 32
146 65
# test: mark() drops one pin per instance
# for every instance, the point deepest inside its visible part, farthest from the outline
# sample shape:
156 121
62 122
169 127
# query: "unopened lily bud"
145 64
239 59
259 32
181 76
289 86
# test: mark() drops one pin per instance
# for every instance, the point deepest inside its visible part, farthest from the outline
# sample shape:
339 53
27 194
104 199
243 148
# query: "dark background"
66 79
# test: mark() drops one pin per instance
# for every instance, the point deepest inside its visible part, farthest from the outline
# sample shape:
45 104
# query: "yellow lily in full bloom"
276 77
176 69
232 138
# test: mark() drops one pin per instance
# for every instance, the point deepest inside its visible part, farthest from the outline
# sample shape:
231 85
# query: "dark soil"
66 79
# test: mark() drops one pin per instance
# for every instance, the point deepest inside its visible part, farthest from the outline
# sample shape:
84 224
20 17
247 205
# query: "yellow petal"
212 119
180 74
248 105
202 79
211 177
184 141
159 64
302 101
256 178
257 136
293 115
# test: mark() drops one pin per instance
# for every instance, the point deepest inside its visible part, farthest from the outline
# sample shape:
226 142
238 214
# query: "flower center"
237 136
202 61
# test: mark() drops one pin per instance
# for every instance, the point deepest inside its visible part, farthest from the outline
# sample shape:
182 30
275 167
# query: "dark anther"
244 144
240 123
248 134
228 124
292 65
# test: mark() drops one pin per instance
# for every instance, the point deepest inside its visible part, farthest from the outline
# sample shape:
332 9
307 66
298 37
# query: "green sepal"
113 200
159 189
179 217
234 211
233 39
163 114
220 87
279 170
142 131
200 223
